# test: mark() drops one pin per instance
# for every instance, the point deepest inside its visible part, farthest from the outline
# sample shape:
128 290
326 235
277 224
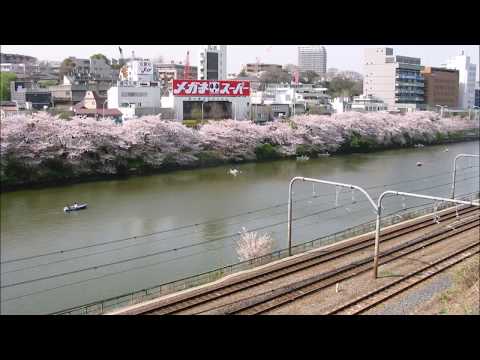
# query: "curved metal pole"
350 186
455 170
379 213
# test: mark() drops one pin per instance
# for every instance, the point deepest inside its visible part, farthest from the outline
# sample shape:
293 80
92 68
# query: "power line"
96 267
215 239
206 222
176 258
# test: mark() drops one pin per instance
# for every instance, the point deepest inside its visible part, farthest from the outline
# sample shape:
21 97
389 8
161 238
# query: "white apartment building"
137 89
313 58
467 76
138 72
368 103
341 105
396 80
213 62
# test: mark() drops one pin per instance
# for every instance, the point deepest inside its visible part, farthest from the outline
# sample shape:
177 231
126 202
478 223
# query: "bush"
358 143
266 152
57 168
308 150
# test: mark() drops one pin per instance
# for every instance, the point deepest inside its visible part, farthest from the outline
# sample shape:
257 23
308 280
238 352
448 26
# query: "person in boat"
75 205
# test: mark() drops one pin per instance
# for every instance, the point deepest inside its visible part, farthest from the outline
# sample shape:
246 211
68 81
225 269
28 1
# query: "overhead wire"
166 261
160 252
207 222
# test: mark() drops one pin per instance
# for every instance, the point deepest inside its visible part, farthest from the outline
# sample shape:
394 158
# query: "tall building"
213 62
477 94
467 75
313 58
441 86
169 72
257 68
394 79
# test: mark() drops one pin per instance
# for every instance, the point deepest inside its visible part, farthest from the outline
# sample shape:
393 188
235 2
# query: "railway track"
194 298
270 300
378 296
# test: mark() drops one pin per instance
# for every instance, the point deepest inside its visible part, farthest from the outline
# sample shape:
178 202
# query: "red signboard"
211 88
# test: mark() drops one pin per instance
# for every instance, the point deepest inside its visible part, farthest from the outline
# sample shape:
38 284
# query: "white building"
313 58
467 75
213 62
396 80
341 105
368 103
140 96
210 99
138 72
238 106
137 90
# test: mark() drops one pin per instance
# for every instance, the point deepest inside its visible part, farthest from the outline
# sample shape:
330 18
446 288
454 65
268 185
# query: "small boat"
234 172
75 207
303 158
419 163
446 150
419 145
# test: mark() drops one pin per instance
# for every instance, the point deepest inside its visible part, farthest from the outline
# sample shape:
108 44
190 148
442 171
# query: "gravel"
405 304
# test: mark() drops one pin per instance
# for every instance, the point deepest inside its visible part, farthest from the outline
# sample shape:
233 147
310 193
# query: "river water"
53 260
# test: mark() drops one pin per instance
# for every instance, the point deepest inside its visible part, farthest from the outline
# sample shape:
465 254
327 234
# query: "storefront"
211 99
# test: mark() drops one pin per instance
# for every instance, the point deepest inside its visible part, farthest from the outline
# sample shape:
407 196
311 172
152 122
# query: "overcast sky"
343 57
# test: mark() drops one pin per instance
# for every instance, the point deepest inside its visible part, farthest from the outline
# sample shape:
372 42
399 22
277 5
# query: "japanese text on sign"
211 88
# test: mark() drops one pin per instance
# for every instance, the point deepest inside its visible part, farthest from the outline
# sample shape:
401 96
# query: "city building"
72 90
441 86
477 94
213 62
467 76
137 90
8 107
17 59
290 100
91 71
210 99
169 72
396 80
28 96
261 113
101 70
138 72
313 58
341 105
253 80
368 103
94 105
140 96
255 69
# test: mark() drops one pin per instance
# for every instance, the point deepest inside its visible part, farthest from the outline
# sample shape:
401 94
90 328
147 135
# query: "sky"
342 57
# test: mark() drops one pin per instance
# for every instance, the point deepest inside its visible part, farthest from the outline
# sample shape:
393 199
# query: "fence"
103 306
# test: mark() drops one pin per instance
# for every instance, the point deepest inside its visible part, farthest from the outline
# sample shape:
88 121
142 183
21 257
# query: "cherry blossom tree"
252 245
87 146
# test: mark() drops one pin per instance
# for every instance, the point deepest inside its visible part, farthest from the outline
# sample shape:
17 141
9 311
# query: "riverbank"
42 151
194 217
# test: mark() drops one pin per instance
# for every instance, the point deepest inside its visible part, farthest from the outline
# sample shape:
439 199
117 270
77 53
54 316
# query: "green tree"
99 57
309 76
341 86
5 79
67 66
196 112
274 76
47 83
